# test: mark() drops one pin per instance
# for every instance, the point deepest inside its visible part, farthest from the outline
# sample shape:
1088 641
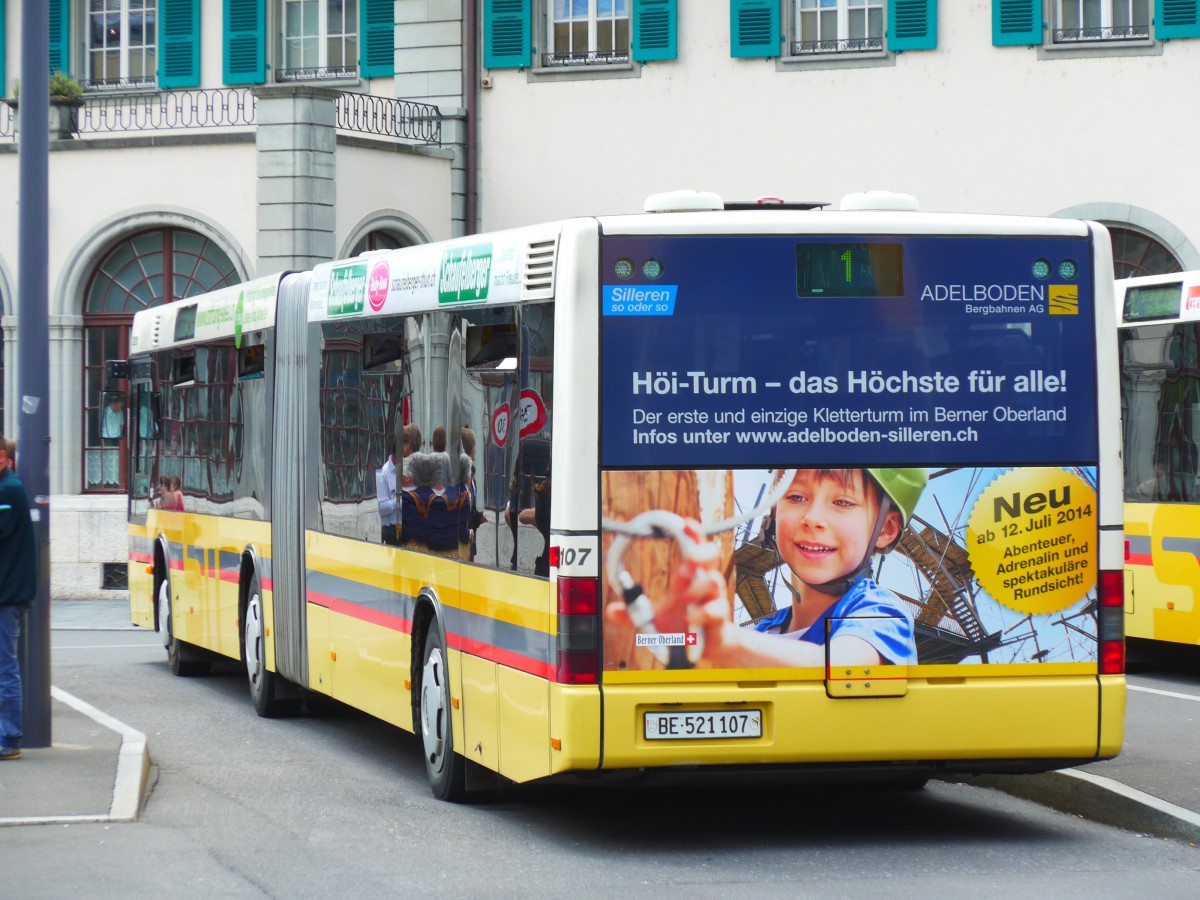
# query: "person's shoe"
10 752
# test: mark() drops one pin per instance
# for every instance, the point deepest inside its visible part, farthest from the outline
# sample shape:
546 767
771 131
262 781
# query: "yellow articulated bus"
698 491
1159 345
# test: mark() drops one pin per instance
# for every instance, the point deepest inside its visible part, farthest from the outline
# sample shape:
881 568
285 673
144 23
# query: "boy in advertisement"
826 528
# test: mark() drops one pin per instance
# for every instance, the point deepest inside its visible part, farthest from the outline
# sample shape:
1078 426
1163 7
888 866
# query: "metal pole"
33 369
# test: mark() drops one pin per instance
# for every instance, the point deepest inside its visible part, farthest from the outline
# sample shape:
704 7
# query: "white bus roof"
226 312
519 265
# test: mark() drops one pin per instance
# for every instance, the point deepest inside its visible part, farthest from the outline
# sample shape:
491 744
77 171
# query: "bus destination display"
849 269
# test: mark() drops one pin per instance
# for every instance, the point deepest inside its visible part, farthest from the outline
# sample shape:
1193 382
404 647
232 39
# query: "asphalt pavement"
97 768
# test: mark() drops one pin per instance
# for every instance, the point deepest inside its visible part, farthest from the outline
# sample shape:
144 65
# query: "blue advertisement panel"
848 452
814 351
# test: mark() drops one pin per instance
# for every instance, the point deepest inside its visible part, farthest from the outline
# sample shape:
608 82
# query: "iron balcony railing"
166 110
849 45
585 58
1115 33
126 114
404 120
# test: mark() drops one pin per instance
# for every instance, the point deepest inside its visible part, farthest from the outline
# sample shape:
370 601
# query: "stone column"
9 426
66 425
297 167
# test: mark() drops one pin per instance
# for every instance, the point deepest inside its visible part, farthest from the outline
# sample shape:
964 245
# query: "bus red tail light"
578 631
1112 623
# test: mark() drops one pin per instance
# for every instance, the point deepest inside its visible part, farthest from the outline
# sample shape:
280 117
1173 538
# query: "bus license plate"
700 725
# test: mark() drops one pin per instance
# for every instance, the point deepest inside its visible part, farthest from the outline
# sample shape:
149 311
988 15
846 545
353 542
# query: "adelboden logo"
465 274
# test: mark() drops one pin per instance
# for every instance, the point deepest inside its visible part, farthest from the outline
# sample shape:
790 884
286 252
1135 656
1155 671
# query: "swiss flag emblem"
690 639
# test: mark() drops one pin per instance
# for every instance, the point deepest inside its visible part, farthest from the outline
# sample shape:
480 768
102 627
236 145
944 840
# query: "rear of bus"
860 501
1159 352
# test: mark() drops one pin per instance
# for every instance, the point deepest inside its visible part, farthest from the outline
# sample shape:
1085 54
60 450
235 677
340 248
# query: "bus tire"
264 685
182 659
444 767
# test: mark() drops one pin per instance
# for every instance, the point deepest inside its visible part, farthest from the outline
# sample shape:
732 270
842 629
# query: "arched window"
144 270
378 240
1137 253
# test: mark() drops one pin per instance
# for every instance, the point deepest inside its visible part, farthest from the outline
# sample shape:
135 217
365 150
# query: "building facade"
213 142
217 140
1007 106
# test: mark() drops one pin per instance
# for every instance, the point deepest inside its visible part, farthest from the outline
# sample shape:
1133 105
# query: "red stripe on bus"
140 557
458 642
1139 559
501 656
363 613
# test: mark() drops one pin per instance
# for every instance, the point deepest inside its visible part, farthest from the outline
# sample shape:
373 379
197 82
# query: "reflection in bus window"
1160 391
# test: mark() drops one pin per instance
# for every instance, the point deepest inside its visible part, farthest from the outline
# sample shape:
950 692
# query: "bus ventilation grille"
539 270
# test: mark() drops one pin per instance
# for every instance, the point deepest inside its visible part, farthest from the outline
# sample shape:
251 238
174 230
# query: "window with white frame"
320 39
1101 20
836 26
586 32
122 44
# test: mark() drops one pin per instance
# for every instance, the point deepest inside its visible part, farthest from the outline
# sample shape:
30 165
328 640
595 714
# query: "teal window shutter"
654 24
1176 19
506 34
753 28
1016 22
60 36
378 41
178 43
245 58
912 25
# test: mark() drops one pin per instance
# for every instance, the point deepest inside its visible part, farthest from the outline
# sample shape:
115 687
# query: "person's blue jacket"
18 549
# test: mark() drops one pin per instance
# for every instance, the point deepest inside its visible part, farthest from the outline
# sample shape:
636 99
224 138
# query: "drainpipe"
471 77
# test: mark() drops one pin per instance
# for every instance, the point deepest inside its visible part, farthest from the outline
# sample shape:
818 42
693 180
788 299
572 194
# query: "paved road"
308 807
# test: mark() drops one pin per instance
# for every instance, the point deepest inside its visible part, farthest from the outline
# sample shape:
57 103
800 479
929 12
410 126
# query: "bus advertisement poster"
792 568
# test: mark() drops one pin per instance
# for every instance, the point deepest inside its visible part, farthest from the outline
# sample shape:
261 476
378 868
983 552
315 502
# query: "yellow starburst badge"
1032 539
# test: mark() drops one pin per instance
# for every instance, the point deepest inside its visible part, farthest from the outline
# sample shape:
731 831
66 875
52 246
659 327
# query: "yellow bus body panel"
575 726
1047 717
1162 586
524 725
481 712
1112 717
204 564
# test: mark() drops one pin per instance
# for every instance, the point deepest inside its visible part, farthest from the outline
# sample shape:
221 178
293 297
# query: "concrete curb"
1097 798
133 771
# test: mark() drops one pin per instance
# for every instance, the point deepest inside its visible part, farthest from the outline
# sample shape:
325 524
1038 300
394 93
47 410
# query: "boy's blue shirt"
867 612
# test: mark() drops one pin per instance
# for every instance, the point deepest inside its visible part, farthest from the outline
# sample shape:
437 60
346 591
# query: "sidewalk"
96 768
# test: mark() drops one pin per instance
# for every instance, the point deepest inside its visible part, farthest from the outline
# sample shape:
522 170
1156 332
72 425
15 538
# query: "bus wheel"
263 684
444 767
181 659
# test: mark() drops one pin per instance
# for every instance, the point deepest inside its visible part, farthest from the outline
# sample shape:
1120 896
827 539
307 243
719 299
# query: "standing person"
18 588
385 491
412 444
476 516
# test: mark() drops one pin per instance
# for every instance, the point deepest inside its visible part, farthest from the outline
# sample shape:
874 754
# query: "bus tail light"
578 631
1112 622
